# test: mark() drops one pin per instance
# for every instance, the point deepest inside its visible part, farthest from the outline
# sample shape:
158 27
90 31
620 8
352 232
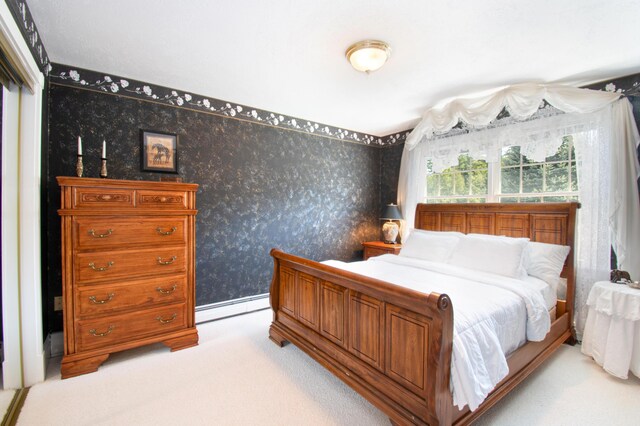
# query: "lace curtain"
605 143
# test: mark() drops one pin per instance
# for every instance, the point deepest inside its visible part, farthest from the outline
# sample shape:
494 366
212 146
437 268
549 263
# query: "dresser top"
121 183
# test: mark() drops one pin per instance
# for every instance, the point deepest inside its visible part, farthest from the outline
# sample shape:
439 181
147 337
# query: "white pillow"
429 245
545 261
442 233
490 253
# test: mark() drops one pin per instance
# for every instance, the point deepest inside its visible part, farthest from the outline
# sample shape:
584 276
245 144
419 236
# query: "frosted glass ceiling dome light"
368 55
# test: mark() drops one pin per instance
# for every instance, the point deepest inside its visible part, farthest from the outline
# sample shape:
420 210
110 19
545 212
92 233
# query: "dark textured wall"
389 172
260 186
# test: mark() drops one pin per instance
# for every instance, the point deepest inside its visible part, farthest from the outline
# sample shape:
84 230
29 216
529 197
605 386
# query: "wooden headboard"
552 223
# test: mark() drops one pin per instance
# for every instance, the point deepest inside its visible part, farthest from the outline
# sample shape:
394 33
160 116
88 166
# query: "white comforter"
493 315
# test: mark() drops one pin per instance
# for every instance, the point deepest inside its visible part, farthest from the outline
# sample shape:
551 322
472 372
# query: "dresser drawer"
108 232
105 299
110 265
161 199
98 333
96 198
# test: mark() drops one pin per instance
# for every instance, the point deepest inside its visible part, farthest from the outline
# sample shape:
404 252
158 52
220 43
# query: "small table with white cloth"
612 332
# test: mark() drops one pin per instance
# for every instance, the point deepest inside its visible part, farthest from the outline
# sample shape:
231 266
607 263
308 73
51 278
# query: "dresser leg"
75 367
182 342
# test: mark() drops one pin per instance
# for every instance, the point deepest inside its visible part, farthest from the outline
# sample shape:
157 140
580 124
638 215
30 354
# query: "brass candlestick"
79 166
103 168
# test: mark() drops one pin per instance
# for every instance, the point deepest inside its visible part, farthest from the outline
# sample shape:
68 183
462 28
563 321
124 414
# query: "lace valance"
521 101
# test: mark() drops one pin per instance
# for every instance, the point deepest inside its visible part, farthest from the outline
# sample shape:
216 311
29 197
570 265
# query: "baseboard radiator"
204 313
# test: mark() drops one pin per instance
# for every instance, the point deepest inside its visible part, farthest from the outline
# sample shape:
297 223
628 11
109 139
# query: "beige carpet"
6 396
236 376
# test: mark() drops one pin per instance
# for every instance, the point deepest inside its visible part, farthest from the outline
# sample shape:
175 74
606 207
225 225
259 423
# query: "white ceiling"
287 56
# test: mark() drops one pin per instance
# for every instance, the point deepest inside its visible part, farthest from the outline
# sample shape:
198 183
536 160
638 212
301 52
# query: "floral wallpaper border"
92 80
629 85
23 18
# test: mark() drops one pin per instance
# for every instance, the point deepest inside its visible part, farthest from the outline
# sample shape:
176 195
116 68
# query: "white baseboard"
205 313
57 344
230 308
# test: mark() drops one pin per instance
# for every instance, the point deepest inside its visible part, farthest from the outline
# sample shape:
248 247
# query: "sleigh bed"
392 344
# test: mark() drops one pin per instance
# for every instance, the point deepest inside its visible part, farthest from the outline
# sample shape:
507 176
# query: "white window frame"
494 195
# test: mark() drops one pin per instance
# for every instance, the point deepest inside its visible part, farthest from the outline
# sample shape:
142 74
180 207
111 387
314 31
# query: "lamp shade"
391 212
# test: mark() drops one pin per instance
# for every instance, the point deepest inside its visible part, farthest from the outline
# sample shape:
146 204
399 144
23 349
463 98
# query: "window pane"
525 160
433 184
532 179
464 162
556 199
479 165
574 177
531 199
479 181
563 151
510 156
429 167
508 199
462 183
510 180
557 176
446 184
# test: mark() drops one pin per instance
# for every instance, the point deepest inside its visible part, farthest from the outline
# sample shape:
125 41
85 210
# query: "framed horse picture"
159 151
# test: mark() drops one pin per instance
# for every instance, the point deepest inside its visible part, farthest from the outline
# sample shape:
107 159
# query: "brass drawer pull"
94 235
103 301
161 232
167 262
96 334
166 321
101 268
163 291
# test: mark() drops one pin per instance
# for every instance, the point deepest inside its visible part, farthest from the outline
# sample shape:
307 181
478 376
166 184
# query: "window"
515 179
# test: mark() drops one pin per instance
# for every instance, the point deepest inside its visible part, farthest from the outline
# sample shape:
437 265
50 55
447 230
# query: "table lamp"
390 229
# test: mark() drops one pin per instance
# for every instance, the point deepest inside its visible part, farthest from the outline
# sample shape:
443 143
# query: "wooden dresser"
128 268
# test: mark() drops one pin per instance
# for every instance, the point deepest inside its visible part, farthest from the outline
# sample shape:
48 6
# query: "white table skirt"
612 332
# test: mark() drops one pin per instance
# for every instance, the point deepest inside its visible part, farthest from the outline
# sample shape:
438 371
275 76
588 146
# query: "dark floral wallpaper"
389 173
260 186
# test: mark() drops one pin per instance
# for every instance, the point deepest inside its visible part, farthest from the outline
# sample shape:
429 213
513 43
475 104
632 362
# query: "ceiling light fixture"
368 55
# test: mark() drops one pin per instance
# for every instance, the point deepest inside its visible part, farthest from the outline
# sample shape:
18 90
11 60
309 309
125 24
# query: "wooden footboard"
390 344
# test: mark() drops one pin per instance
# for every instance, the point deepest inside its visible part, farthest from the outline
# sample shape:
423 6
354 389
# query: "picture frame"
158 151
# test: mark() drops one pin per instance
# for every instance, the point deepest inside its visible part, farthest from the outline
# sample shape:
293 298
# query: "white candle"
104 149
79 146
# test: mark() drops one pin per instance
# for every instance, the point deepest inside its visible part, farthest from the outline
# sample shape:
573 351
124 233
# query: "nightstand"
612 331
376 248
